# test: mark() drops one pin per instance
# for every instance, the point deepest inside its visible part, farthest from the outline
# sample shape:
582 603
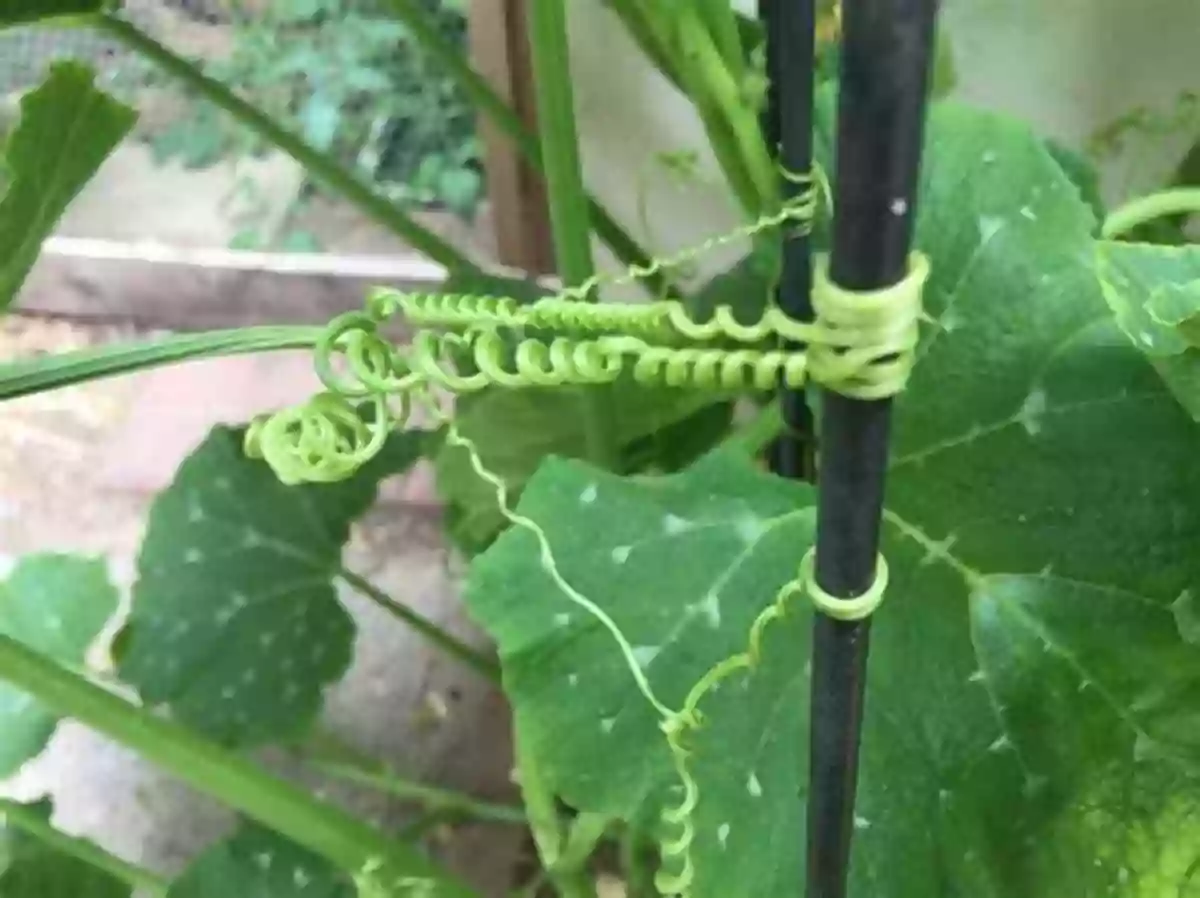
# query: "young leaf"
32 868
1030 725
56 605
258 862
66 130
235 621
1154 292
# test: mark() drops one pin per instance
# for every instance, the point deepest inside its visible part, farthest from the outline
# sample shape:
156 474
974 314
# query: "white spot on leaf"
1000 744
989 227
753 786
607 724
723 834
750 529
1028 213
193 556
644 655
573 679
710 607
588 496
1033 410
861 822
673 524
562 619
988 157
621 554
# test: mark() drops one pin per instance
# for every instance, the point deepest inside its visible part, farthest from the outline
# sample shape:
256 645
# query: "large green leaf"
57 605
1154 292
235 621
66 130
31 867
257 862
1031 726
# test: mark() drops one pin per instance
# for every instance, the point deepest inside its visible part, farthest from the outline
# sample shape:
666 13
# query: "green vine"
861 344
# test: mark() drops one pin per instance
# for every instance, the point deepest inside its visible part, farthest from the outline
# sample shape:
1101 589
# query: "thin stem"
448 643
486 100
322 828
564 182
1177 201
36 375
31 822
431 797
320 165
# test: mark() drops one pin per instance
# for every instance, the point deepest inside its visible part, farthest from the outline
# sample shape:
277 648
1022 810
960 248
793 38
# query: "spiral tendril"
861 344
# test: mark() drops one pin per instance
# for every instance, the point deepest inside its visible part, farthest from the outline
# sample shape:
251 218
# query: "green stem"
36 375
322 828
479 92
321 166
564 182
31 822
733 126
721 22
431 797
449 644
1177 201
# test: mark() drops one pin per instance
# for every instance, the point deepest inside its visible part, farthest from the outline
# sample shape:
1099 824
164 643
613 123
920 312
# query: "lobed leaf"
66 130
235 621
56 605
1030 727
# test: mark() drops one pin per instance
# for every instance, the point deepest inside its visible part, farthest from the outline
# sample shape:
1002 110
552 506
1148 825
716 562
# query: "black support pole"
787 122
885 62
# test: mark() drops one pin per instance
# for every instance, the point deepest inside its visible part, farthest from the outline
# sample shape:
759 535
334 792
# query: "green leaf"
66 130
41 373
1083 175
33 868
257 862
515 429
1154 292
56 605
235 621
1031 726
17 12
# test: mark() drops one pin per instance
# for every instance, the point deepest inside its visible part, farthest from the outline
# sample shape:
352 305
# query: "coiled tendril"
861 344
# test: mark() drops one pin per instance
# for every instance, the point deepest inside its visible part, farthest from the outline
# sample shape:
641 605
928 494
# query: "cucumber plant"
1033 727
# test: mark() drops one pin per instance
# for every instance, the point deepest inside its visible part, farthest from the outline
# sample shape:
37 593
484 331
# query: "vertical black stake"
787 124
885 61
